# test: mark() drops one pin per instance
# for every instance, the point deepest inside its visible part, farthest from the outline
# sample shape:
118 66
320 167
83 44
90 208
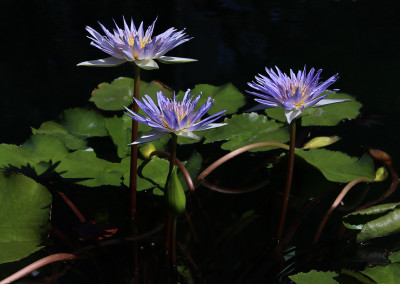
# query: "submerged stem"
134 148
288 185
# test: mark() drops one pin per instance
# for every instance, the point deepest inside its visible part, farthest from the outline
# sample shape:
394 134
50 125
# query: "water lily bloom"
171 116
135 45
294 93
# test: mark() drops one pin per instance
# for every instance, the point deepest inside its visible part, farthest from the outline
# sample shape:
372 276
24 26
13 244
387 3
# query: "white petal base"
171 60
149 136
106 62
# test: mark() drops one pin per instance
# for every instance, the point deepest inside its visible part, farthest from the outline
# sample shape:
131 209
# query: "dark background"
234 40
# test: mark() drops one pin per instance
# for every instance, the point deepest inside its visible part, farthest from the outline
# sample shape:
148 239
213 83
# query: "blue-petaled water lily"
171 116
135 45
293 93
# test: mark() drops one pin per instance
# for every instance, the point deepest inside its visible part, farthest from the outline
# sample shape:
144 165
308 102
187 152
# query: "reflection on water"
233 40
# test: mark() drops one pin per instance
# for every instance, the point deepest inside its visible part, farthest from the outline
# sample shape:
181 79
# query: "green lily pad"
337 166
193 166
389 274
245 129
142 183
52 128
46 148
377 221
119 93
24 216
314 276
120 131
83 167
83 123
156 171
13 155
328 115
227 97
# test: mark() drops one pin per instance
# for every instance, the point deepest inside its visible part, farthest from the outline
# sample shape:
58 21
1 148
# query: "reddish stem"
38 264
72 206
134 148
288 185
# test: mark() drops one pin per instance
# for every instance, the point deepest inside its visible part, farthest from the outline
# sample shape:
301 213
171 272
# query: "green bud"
381 174
175 195
146 149
319 142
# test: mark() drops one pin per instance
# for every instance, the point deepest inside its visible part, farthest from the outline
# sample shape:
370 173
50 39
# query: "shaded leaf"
193 166
314 276
227 97
119 93
337 166
328 115
245 129
395 257
24 216
83 123
377 221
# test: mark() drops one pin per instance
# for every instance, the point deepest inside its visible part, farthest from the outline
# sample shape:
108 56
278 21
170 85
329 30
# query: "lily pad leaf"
83 123
389 274
52 128
193 166
83 167
119 93
156 171
314 276
328 115
337 166
46 148
24 216
245 129
141 183
227 97
377 221
13 155
120 131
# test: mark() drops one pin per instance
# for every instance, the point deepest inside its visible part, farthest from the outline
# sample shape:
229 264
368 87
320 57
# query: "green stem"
134 148
288 184
173 142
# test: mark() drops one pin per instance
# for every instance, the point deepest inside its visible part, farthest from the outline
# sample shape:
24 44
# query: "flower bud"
381 174
146 149
319 142
175 195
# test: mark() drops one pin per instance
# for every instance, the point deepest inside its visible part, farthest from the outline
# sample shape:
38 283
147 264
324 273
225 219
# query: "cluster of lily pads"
66 149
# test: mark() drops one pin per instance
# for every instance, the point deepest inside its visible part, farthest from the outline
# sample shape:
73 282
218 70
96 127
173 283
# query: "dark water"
233 40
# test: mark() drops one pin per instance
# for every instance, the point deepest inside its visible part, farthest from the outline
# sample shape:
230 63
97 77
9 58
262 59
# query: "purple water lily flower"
171 116
294 93
135 45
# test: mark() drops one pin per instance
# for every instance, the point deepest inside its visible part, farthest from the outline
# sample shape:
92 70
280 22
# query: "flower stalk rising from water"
171 116
136 46
293 93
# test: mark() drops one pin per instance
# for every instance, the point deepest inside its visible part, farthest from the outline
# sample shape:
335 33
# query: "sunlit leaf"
24 216
314 276
52 128
245 129
337 166
45 148
227 97
83 167
389 274
328 115
142 183
83 123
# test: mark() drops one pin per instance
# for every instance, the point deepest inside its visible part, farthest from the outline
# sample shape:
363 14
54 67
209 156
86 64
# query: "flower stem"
288 184
134 149
172 157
